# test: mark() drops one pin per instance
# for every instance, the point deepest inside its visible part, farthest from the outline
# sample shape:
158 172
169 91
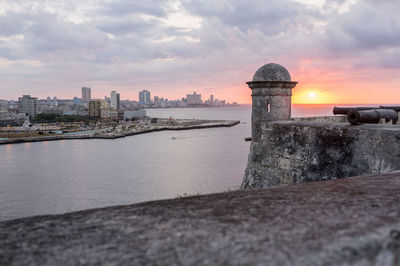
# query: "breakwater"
208 124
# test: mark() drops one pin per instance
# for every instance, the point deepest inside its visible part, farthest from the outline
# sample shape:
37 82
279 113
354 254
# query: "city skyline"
108 108
53 47
86 92
89 92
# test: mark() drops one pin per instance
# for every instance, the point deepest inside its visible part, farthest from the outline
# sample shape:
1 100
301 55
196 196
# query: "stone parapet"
292 151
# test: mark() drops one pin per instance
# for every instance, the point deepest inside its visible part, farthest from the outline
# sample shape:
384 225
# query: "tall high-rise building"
28 105
86 94
115 100
212 100
193 98
144 97
95 108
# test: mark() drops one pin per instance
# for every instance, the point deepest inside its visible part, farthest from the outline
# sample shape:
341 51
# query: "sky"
340 51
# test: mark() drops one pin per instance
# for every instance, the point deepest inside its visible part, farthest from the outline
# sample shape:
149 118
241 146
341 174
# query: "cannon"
345 110
355 116
396 108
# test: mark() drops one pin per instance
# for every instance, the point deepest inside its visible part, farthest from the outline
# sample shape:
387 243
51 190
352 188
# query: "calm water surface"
69 175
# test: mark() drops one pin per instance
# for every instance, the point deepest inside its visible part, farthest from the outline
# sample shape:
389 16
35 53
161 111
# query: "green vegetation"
55 118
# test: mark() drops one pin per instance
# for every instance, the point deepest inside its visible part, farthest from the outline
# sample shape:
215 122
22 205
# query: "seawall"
354 221
119 135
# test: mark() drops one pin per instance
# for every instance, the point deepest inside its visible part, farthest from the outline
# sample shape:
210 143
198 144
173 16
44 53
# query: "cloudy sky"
340 51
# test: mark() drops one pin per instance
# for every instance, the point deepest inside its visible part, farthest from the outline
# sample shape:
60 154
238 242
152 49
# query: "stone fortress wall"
286 150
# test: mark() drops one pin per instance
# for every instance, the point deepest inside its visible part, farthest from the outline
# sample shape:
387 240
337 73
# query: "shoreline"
227 123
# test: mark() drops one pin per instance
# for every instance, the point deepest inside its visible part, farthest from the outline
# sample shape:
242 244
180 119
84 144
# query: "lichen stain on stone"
333 152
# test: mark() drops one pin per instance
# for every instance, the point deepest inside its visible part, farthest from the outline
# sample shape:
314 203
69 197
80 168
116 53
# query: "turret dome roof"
272 72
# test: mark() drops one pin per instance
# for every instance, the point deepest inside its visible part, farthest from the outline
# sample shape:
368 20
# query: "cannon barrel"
371 116
345 110
396 108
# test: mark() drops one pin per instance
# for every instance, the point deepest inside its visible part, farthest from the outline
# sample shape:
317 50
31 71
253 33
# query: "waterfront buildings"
12 119
115 100
193 98
144 97
77 106
28 105
86 94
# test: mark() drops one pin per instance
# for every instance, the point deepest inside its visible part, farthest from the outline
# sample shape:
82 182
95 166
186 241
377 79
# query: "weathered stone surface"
295 151
353 221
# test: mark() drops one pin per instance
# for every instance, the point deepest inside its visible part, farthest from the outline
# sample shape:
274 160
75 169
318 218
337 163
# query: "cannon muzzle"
355 116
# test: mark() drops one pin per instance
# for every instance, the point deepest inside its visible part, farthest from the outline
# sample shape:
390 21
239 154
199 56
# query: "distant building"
86 94
55 101
129 114
3 105
80 109
77 101
28 105
144 97
69 112
109 114
211 100
95 107
193 98
115 100
52 110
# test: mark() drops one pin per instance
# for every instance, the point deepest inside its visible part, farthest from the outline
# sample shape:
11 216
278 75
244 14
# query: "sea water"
68 175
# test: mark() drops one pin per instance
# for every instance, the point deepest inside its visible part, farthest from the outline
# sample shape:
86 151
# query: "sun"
312 95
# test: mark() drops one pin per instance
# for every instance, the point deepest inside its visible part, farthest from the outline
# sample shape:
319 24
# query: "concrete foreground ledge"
354 221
